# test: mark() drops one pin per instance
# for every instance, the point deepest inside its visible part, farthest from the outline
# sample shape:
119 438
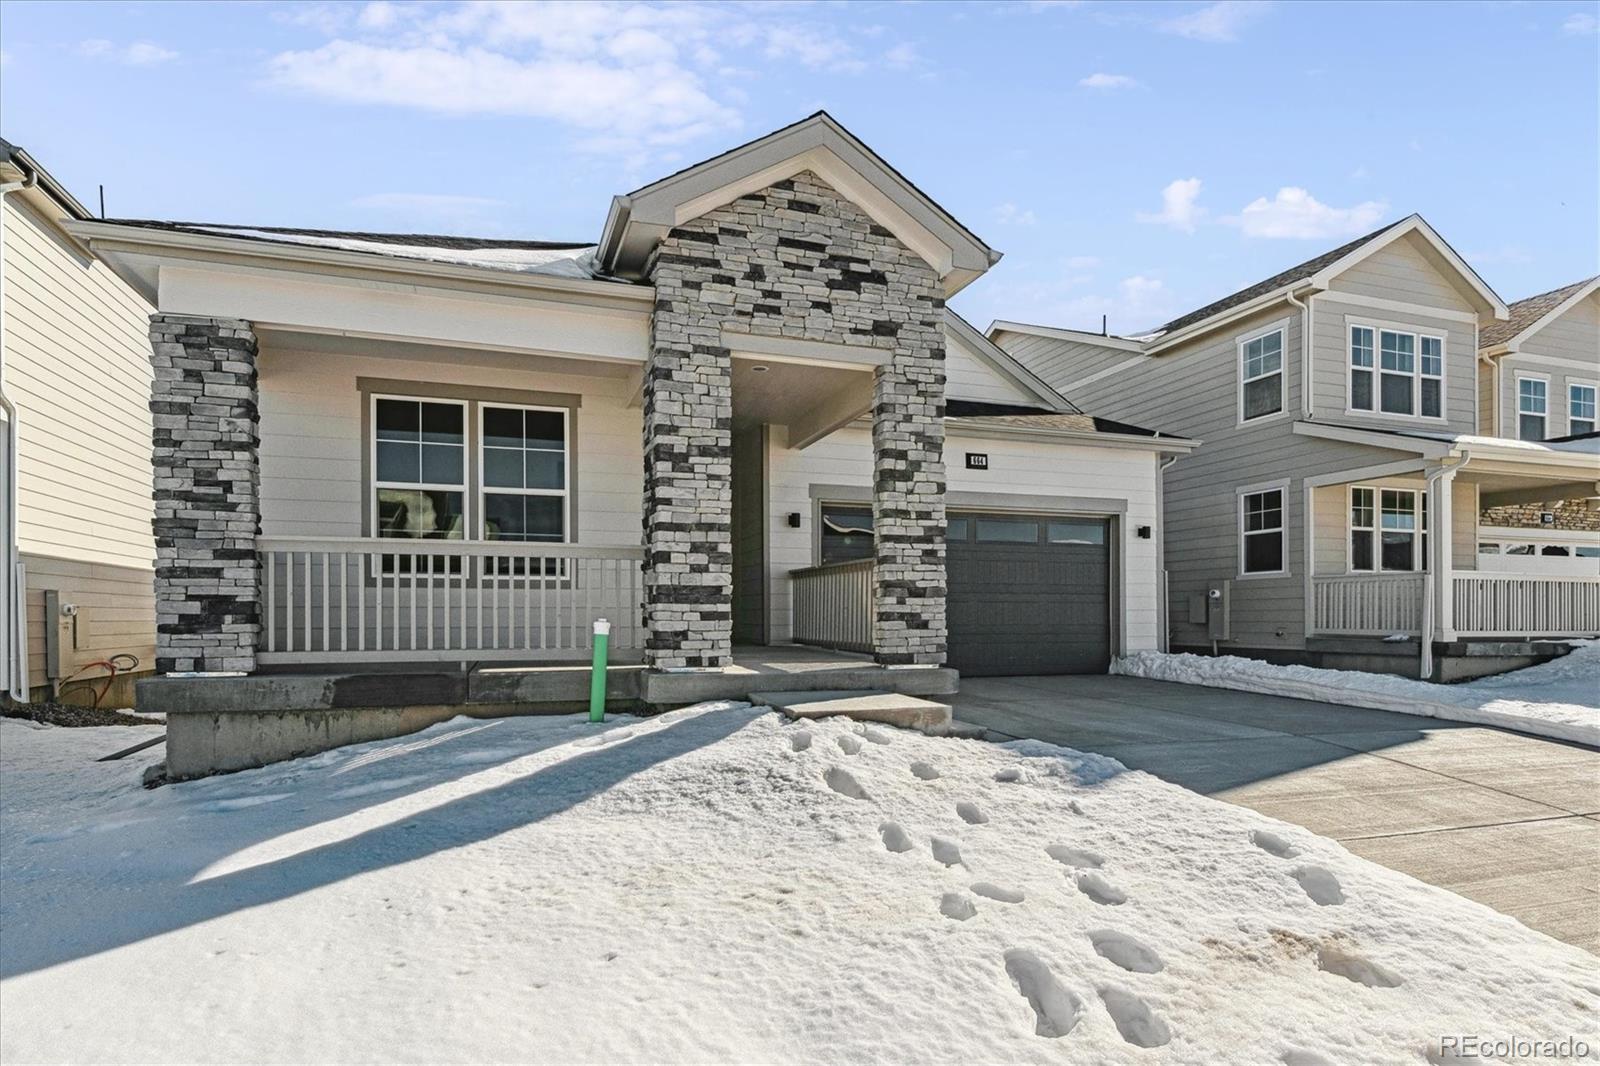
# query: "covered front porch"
1410 550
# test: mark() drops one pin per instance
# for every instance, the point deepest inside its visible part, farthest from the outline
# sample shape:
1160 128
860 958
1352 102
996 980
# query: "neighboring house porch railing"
1368 605
1483 605
333 600
1522 605
833 605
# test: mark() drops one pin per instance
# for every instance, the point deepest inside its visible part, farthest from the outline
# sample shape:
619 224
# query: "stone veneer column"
207 507
909 626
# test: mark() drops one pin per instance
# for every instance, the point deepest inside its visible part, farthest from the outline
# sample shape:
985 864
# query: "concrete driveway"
1509 820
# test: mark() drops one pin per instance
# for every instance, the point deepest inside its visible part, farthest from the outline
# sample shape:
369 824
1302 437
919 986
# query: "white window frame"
1419 545
1281 487
1516 393
1574 384
1280 327
465 486
1378 329
565 492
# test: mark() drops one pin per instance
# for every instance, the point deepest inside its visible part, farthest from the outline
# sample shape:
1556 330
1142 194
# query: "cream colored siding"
1045 472
1488 400
1331 366
1332 522
969 378
77 367
1408 270
311 444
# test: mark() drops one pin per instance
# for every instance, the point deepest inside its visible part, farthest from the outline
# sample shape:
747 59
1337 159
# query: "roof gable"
818 144
1528 316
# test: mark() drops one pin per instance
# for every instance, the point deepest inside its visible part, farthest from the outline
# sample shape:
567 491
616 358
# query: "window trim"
1580 383
1519 376
566 463
1417 335
1419 543
1280 327
1281 487
373 483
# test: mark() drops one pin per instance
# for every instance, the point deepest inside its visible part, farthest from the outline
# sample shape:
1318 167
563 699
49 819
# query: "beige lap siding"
1331 535
312 447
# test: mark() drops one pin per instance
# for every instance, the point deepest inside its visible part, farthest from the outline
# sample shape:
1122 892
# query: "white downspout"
1444 475
1306 323
13 612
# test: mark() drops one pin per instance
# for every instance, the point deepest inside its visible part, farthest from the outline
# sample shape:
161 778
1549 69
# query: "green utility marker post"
597 674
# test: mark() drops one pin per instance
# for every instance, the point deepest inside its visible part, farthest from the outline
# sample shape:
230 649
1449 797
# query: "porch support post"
908 625
206 492
1441 504
688 484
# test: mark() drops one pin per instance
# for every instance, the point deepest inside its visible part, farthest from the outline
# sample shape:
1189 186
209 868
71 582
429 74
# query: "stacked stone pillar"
207 498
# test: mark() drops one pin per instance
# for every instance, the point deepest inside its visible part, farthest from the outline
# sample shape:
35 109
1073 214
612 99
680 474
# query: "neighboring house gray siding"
1573 338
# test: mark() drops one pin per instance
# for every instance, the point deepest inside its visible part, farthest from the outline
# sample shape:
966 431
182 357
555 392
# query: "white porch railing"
1526 605
833 605
1368 605
331 600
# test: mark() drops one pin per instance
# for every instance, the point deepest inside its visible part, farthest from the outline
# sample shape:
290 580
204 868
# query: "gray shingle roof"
424 240
1525 313
1277 281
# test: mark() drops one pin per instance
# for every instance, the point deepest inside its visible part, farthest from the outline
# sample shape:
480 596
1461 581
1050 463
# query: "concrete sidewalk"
1509 820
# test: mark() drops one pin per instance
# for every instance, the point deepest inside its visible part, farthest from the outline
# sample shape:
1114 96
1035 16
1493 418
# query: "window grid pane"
1263 532
1398 351
1360 346
1531 395
1581 406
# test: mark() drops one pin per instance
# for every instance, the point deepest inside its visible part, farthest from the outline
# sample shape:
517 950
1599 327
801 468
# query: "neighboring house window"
1261 377
1409 370
1361 368
1532 407
846 533
419 468
1580 409
1363 528
524 473
1261 532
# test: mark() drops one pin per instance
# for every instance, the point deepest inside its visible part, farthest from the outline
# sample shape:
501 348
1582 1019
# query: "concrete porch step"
862 705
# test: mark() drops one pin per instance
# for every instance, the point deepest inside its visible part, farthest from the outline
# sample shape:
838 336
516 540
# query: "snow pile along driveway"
718 884
1558 699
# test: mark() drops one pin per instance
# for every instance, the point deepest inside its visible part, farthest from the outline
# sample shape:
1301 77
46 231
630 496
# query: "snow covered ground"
1559 699
718 884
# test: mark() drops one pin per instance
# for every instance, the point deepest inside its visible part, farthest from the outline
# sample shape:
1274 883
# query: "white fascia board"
1167 341
1077 336
1418 225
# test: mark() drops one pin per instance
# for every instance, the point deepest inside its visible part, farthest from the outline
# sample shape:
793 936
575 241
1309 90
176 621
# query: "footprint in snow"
849 745
1055 1009
1010 775
238 803
1123 950
895 838
955 905
1273 844
1081 858
1296 1056
609 737
873 736
1100 890
924 771
996 893
1320 884
946 851
801 740
1138 1024
1355 968
971 813
843 782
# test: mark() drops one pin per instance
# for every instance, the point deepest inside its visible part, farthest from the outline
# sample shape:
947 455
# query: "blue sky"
1135 160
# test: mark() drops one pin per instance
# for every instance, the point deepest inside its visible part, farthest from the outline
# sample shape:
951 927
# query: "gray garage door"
1029 594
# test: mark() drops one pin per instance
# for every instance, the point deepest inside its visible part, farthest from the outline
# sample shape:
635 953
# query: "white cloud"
1012 215
1581 24
902 57
137 54
1108 81
1082 262
1295 213
1179 208
1217 23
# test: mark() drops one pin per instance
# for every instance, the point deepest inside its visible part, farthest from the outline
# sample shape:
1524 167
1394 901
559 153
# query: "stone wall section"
1569 515
796 260
207 505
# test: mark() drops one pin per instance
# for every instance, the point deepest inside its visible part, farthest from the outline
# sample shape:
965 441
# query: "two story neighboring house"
1334 513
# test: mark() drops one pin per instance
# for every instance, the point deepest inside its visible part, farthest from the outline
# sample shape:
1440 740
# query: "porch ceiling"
811 400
